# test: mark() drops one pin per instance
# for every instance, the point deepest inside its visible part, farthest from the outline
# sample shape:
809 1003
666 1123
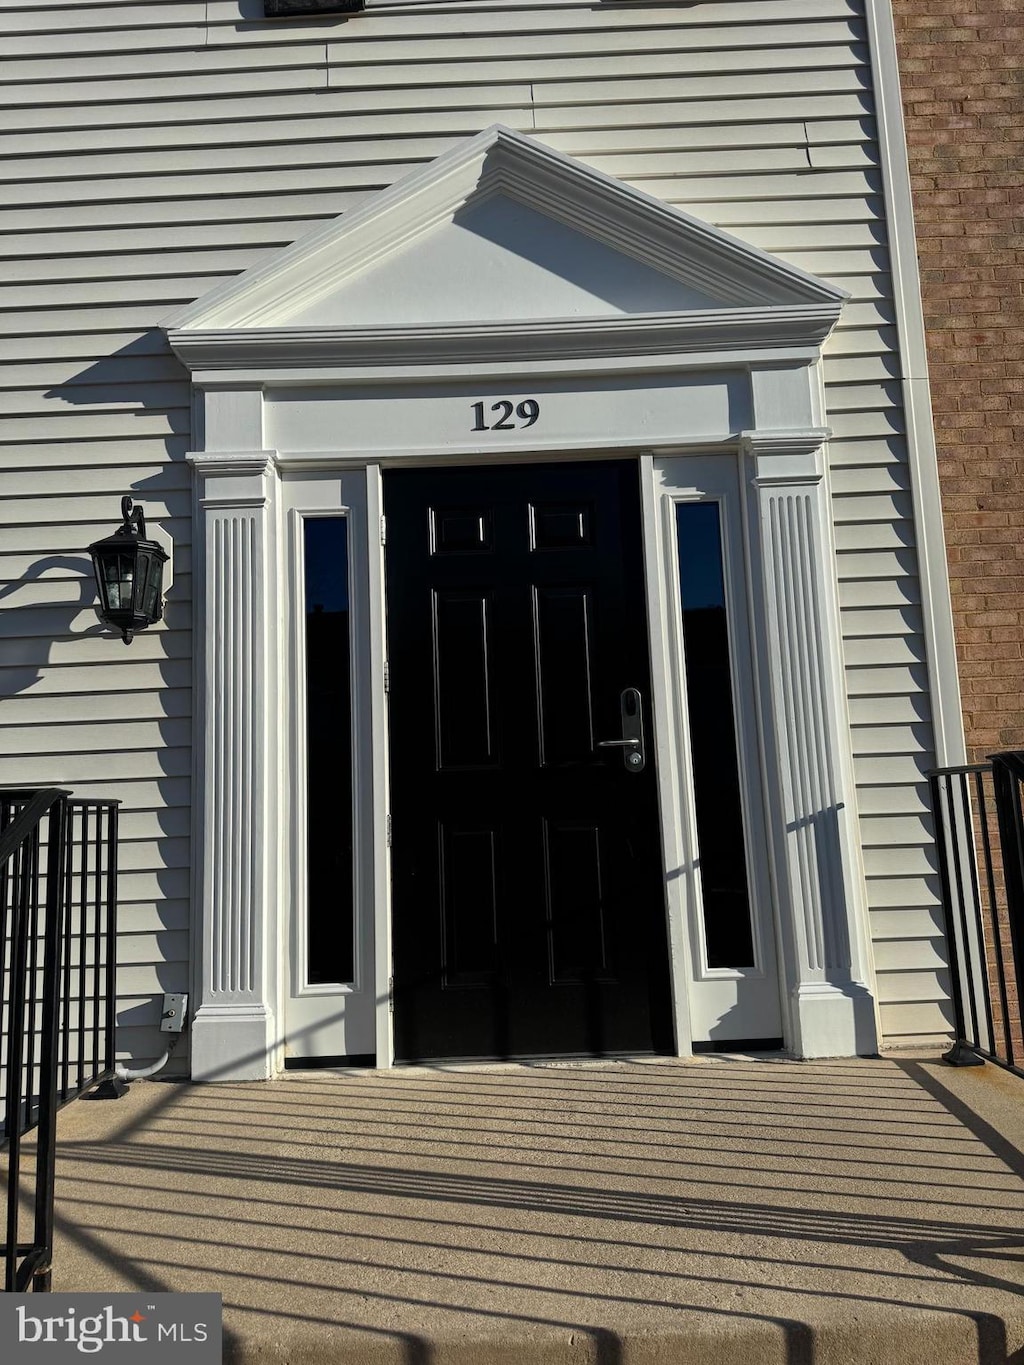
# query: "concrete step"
650 1212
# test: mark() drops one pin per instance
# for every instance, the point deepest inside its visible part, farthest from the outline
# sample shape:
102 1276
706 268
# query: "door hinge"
387 675
388 834
391 995
383 530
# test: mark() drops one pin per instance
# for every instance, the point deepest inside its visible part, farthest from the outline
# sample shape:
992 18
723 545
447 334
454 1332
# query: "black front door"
528 907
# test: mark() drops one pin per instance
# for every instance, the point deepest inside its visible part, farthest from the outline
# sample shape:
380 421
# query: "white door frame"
337 1018
749 997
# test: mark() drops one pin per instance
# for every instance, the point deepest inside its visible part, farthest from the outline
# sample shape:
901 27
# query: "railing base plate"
961 1055
111 1089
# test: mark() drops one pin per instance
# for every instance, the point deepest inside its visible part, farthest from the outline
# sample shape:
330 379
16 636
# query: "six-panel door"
528 901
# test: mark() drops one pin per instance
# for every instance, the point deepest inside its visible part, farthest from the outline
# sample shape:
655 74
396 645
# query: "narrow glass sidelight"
330 929
728 933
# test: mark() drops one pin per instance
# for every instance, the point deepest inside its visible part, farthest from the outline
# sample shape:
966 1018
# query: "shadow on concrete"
420 1205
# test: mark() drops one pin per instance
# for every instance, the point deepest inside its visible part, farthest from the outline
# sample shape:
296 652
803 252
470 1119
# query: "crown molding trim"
781 332
232 461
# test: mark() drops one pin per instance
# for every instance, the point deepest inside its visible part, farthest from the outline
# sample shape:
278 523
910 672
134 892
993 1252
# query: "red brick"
961 65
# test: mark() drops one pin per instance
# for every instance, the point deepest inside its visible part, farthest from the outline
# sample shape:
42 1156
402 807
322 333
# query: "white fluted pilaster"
233 1029
818 879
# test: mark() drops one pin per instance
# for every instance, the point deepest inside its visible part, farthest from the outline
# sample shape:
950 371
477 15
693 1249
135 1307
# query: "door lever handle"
634 759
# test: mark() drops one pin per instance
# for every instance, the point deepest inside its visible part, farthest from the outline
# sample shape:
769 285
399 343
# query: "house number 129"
527 412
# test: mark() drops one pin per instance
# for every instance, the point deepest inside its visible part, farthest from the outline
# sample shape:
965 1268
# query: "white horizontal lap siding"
890 715
93 407
889 708
152 150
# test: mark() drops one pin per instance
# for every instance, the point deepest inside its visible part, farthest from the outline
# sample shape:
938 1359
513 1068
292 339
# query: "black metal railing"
979 826
58 925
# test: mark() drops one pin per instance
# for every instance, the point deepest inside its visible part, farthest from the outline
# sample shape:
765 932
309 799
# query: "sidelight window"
328 664
728 936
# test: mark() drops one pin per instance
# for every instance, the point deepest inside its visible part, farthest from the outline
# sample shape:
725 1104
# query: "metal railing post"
111 937
46 1142
945 829
1007 777
13 1117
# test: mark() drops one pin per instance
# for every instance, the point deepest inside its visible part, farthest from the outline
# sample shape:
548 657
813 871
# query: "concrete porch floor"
656 1212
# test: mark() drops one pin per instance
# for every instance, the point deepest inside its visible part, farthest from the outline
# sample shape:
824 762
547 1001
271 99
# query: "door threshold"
356 1059
740 1045
533 1060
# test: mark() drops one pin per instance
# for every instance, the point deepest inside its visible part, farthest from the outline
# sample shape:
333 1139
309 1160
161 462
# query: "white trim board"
922 457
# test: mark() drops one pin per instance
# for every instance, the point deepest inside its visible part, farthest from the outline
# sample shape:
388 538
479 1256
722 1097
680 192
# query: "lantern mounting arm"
134 520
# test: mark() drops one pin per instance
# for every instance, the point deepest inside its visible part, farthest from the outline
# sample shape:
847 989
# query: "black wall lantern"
298 9
129 575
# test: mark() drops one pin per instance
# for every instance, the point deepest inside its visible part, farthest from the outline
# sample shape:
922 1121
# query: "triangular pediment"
500 259
504 230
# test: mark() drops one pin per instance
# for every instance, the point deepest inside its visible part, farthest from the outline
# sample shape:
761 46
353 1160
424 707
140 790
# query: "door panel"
565 701
469 903
528 902
574 883
462 652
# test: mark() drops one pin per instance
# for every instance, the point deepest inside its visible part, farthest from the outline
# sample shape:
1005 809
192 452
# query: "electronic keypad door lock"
634 757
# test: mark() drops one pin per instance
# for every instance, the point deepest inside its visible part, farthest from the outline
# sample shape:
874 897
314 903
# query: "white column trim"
234 1030
665 725
811 810
381 796
922 456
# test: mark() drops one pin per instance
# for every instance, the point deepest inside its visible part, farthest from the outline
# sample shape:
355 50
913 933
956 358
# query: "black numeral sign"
527 413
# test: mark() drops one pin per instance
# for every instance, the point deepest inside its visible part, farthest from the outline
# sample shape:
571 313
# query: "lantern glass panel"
119 578
151 592
141 565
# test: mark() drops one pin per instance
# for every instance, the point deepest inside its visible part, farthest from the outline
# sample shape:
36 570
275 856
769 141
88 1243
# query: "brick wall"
962 65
